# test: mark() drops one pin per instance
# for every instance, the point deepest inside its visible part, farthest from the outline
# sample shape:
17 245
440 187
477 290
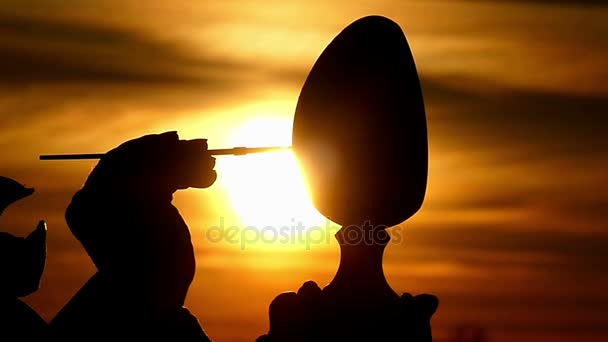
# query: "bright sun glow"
267 189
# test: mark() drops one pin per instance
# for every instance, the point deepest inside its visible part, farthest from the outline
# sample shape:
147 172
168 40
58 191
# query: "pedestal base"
358 304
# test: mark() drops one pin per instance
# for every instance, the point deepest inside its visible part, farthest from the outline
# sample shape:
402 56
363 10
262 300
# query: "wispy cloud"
38 50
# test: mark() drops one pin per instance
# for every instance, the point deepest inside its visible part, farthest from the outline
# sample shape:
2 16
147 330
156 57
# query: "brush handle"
237 151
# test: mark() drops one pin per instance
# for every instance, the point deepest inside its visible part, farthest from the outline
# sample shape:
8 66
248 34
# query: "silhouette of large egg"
360 130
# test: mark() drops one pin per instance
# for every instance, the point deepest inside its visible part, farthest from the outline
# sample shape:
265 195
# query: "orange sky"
512 236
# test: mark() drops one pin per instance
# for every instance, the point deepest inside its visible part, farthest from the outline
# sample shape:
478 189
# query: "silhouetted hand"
22 262
302 316
139 242
418 311
157 163
11 191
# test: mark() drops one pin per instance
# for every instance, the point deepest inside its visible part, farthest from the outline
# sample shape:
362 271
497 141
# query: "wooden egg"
360 130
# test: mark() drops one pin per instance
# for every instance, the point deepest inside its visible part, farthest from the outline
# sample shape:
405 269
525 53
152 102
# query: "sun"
267 190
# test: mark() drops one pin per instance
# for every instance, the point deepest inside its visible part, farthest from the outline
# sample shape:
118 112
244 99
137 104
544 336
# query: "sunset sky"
513 234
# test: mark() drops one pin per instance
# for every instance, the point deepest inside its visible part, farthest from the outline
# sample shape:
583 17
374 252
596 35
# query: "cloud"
571 252
38 50
553 2
484 115
58 74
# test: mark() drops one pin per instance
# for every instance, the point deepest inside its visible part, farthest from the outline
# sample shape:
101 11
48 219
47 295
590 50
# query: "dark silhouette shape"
139 243
360 128
360 135
22 262
11 191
